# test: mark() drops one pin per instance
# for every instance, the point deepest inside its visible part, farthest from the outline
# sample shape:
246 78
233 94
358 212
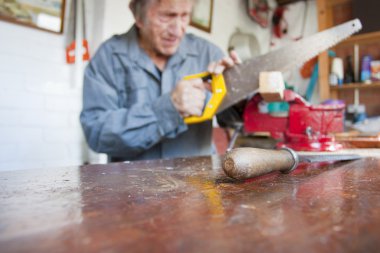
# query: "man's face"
164 26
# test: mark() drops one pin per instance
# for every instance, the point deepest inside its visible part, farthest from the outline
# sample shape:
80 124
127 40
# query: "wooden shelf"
332 3
362 39
334 12
355 86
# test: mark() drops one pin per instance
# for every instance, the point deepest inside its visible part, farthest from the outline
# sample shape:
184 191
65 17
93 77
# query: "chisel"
244 163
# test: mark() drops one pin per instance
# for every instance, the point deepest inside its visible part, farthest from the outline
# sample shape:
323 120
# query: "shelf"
334 12
362 39
332 3
355 86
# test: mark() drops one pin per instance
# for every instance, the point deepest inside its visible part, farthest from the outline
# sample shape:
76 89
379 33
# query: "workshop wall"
39 105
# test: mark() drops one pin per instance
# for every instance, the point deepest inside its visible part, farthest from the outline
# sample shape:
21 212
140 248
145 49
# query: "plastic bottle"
349 76
365 75
337 69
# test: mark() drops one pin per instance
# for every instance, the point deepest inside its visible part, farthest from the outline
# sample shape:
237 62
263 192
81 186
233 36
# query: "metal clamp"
295 158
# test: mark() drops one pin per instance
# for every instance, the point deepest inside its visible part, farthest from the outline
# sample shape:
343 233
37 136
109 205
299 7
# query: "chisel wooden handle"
244 163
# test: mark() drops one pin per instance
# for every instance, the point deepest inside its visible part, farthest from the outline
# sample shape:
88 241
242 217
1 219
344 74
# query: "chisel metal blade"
327 158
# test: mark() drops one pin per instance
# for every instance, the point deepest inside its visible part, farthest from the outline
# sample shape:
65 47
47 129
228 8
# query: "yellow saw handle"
219 91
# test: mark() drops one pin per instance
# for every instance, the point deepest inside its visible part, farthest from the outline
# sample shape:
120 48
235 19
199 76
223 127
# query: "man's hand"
189 97
223 64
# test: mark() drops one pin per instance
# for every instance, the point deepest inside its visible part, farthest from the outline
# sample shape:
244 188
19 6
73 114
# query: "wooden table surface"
189 205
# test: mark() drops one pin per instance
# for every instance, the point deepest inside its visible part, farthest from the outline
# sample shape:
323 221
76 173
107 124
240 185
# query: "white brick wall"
39 103
41 96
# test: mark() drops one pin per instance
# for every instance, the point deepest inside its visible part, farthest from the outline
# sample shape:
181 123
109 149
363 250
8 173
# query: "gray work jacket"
127 111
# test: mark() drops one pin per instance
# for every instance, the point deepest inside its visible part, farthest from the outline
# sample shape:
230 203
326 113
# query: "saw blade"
243 80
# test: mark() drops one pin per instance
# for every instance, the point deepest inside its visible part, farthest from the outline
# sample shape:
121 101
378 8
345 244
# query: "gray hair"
138 7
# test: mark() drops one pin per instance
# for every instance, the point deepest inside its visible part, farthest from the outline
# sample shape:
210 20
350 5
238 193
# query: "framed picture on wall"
47 15
201 17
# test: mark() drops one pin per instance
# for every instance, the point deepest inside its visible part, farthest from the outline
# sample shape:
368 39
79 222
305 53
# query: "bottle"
337 69
365 75
333 79
349 76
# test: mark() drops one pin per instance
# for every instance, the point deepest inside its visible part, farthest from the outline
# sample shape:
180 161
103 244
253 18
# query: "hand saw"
242 80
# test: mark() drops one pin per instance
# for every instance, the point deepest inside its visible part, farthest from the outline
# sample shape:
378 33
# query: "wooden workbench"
189 205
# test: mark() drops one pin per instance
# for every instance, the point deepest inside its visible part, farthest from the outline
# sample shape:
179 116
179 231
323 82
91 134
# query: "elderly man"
135 98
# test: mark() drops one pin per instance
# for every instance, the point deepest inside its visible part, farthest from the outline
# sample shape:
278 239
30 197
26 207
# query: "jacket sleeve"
114 129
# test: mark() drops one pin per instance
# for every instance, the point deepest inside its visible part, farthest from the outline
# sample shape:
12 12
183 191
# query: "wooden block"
271 86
